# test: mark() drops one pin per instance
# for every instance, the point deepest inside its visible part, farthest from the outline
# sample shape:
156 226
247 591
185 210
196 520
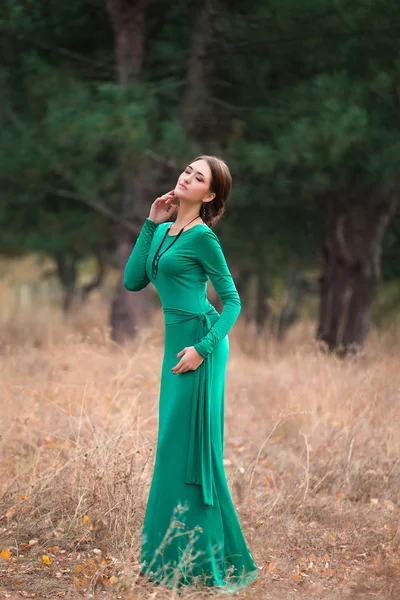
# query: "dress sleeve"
214 263
135 276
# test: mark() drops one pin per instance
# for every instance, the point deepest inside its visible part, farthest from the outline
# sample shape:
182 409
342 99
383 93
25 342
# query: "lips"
183 185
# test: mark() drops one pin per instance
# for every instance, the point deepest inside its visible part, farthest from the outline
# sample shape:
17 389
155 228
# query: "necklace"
157 256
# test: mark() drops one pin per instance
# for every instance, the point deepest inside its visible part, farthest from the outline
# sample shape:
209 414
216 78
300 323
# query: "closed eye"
198 178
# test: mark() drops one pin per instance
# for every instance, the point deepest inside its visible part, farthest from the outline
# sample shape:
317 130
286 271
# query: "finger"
182 370
164 198
169 199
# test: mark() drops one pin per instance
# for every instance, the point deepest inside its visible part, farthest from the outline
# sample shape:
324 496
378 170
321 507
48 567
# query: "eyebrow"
189 167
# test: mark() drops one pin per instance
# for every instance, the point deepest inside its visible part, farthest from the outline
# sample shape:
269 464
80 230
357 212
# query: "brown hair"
221 185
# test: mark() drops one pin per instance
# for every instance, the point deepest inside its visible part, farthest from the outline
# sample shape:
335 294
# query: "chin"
181 193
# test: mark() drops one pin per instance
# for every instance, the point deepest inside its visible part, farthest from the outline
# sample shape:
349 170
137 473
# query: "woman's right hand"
163 207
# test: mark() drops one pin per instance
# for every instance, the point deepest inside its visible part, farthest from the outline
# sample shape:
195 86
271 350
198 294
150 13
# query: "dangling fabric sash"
199 469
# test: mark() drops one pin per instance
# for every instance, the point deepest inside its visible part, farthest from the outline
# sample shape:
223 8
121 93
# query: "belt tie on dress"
199 469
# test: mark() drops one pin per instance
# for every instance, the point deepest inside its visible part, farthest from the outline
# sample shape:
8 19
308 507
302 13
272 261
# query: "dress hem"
229 587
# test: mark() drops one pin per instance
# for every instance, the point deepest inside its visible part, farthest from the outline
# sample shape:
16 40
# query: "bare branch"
81 194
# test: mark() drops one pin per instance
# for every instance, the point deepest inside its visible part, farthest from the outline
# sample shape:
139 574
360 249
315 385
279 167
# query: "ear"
210 197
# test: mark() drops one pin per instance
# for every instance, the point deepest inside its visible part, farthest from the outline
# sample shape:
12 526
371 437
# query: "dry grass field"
312 456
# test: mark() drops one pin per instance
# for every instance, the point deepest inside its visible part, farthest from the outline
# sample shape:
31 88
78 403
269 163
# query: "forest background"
102 104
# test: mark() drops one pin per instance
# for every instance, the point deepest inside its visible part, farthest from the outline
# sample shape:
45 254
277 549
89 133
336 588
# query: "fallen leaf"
312 558
58 532
10 513
80 584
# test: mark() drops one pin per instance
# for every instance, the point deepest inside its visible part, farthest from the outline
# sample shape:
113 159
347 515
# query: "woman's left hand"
190 360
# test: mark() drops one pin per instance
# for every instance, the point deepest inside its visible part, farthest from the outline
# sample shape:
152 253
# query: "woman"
191 533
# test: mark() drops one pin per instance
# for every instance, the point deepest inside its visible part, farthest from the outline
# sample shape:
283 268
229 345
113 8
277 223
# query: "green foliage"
305 97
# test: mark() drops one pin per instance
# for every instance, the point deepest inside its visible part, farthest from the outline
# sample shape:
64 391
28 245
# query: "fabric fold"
199 468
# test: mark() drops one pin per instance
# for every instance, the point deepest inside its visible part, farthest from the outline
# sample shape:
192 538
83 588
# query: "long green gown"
191 533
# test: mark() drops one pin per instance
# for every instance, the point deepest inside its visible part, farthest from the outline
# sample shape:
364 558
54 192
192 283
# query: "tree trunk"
298 286
67 271
242 281
351 269
88 288
261 307
198 115
127 18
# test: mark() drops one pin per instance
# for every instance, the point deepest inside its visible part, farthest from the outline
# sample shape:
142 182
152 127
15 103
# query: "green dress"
191 533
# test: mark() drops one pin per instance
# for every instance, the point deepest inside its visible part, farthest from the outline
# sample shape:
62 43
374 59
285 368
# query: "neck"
185 214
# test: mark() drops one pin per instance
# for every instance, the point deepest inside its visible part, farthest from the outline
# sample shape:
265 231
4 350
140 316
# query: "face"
194 183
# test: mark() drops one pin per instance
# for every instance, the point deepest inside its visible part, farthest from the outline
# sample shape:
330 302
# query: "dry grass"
312 452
